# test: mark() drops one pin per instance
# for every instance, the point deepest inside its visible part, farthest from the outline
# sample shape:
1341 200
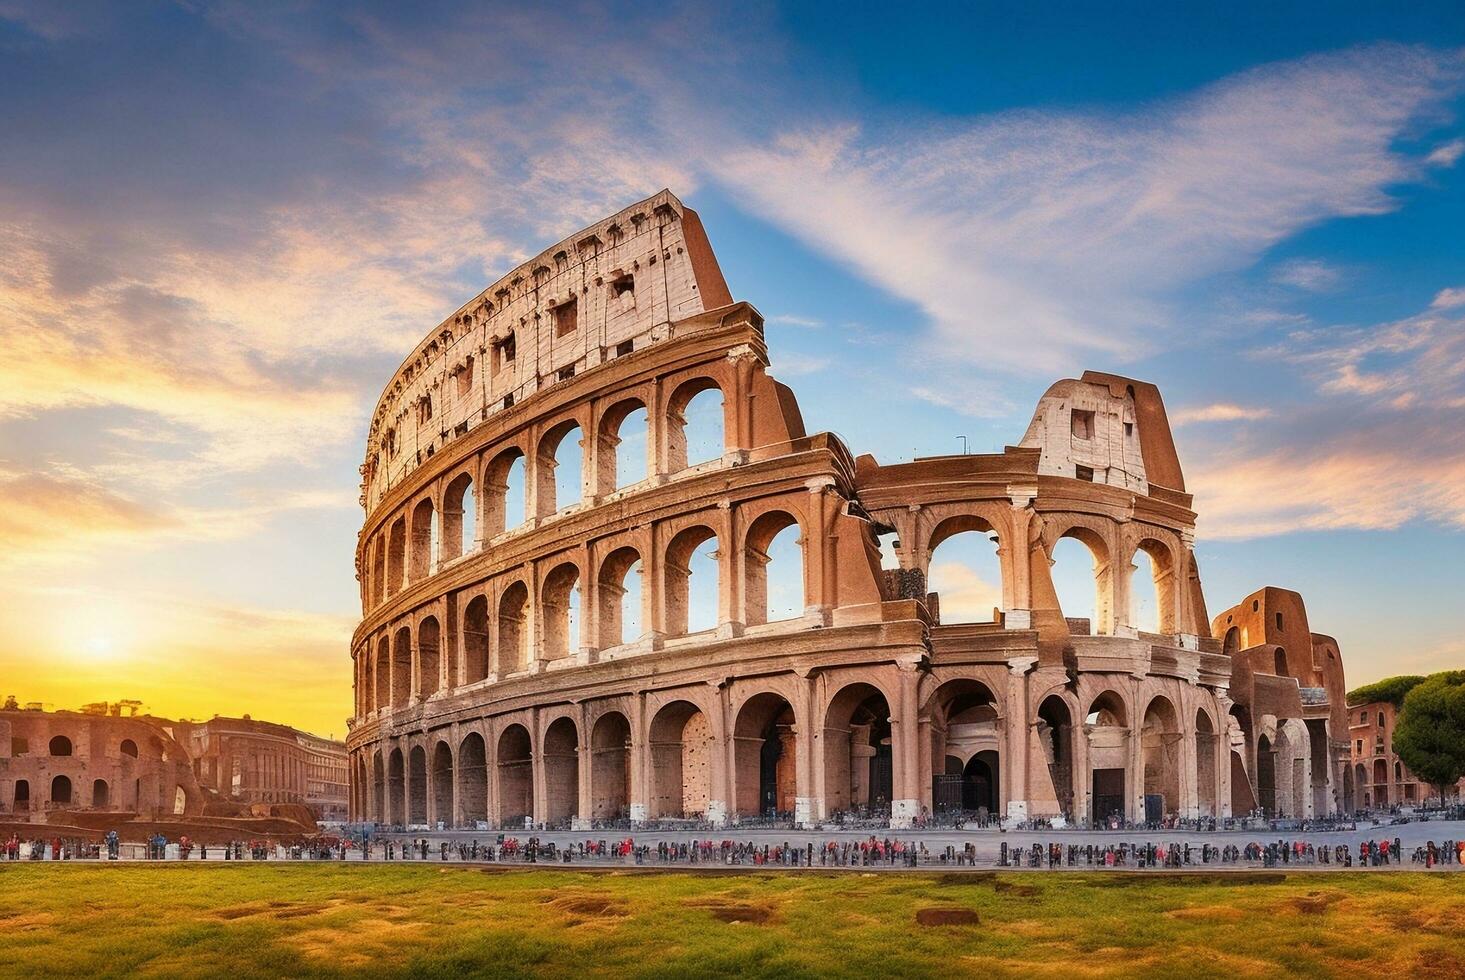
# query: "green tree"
1430 734
1390 689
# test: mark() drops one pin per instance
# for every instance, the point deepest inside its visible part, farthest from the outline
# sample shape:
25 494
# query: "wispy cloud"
1446 154
1034 241
1220 412
1448 299
1312 275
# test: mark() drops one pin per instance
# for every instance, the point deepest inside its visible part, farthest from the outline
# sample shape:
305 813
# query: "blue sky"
221 224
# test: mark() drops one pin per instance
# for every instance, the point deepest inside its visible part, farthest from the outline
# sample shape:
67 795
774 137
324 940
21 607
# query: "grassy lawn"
328 920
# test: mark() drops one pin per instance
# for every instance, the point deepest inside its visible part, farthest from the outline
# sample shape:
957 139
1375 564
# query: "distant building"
252 761
1382 779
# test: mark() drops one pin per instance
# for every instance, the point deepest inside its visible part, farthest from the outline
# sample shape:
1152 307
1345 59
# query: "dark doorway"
1266 775
22 796
1108 794
882 777
979 783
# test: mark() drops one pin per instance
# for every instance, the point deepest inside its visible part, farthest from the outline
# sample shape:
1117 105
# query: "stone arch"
964 588
442 784
1056 733
379 569
59 745
560 757
61 790
1161 754
460 518
765 757
1231 645
473 778
424 540
401 667
1106 726
382 695
20 798
417 786
620 606
101 796
515 776
679 569
560 611
128 748
1208 793
504 492
696 424
964 722
615 462
475 635
1161 559
1098 578
396 788
1266 774
610 767
396 556
379 789
512 653
561 446
773 564
859 757
429 665
681 761
368 700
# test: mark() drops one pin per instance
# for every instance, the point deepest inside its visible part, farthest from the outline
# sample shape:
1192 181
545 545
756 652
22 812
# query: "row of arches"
555 473
765 760
972 573
510 629
63 792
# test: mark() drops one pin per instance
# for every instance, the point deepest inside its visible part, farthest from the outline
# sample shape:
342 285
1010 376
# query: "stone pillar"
585 763
729 573
640 789
1019 737
719 781
808 803
904 726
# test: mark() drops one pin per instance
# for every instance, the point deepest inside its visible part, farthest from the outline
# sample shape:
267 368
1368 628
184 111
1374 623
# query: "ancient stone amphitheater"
568 617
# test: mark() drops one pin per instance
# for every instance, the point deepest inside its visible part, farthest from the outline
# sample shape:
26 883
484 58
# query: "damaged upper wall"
603 292
1105 429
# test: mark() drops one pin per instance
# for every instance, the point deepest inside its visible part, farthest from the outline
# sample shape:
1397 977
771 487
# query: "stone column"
585 763
808 803
1019 737
640 791
718 781
904 733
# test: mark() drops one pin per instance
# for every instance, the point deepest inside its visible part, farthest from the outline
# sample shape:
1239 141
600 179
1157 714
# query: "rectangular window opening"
566 318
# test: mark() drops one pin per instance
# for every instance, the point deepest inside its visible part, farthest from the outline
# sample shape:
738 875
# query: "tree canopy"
1430 734
1390 689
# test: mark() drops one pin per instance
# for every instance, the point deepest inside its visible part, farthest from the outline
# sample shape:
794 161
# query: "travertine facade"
250 761
495 676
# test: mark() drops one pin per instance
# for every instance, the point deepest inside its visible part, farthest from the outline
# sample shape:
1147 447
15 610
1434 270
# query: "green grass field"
328 920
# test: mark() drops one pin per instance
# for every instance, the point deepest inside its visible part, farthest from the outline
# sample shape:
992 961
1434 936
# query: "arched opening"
129 748
765 760
859 774
1266 775
774 568
442 784
1055 736
964 725
21 796
100 796
475 640
1106 725
424 535
60 745
681 762
1279 661
379 569
396 556
1160 745
503 493
379 790
61 790
610 767
560 606
401 667
691 573
622 448
1151 609
1207 792
1232 643
964 571
473 779
368 681
383 670
620 598
429 666
561 761
1081 579
513 642
417 787
516 778
694 425
1360 785
460 522
560 476
397 788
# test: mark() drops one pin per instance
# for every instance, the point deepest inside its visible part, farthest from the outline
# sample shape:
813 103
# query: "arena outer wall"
475 705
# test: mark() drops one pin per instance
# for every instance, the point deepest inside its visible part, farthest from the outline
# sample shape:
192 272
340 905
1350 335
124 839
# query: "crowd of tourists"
1271 854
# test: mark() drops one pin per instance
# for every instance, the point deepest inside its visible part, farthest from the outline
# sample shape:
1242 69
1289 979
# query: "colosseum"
570 616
